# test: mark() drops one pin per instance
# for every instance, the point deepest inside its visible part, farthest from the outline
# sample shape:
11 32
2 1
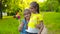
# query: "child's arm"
20 27
41 26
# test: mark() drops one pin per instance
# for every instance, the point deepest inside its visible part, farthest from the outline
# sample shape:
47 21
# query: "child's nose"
26 15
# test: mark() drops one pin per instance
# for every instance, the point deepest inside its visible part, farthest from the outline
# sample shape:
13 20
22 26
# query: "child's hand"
20 29
38 26
39 32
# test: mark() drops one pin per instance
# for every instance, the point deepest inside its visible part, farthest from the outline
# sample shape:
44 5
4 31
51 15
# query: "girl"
23 25
35 25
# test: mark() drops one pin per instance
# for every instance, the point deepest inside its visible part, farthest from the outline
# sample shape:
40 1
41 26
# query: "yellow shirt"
34 19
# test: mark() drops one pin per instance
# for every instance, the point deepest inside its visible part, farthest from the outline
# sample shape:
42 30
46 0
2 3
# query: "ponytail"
35 5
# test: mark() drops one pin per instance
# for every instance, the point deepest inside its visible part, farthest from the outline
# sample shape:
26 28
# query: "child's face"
32 9
27 15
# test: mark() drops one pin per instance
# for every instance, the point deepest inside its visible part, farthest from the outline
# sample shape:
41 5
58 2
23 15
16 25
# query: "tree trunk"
1 9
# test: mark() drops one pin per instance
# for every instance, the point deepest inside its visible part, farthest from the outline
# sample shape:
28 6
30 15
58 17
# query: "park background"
50 9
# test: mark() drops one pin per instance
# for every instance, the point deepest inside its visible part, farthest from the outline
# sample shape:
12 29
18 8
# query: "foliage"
14 5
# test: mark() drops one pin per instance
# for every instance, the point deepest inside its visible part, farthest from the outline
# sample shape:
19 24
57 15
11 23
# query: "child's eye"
31 8
24 13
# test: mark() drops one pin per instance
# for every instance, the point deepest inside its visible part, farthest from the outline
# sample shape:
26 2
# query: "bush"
11 14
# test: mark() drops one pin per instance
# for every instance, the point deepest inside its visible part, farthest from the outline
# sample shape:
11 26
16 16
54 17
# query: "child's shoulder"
38 15
24 21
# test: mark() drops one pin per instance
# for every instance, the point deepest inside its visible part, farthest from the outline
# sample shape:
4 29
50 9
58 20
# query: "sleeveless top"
24 27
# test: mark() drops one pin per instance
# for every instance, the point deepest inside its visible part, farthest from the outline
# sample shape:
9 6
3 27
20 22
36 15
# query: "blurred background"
50 9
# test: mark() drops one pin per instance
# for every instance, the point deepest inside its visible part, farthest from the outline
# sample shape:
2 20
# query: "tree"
50 5
0 9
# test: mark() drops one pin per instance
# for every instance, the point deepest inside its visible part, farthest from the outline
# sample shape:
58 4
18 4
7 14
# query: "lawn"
51 20
9 26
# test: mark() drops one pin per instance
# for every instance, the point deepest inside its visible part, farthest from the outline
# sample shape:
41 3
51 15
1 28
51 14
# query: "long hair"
35 5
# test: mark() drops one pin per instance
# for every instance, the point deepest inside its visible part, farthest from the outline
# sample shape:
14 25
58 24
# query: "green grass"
51 20
9 26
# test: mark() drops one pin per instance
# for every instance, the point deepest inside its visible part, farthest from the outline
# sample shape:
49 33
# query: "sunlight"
41 0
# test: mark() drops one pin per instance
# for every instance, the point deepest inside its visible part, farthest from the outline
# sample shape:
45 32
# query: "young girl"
23 25
35 25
